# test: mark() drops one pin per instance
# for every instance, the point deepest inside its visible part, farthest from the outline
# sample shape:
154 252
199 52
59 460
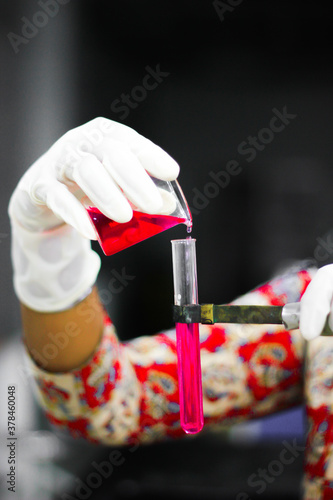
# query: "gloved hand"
316 304
108 162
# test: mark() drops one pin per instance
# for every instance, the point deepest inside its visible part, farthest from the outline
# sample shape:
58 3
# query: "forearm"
63 341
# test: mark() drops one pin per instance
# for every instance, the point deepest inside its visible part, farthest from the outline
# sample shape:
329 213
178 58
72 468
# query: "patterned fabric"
318 482
128 392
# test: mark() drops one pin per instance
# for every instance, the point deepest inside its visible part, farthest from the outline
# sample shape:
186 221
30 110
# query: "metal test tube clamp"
287 315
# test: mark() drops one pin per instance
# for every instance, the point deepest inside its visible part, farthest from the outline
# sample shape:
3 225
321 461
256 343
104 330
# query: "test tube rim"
184 240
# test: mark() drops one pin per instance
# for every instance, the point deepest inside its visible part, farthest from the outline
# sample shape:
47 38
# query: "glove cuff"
52 269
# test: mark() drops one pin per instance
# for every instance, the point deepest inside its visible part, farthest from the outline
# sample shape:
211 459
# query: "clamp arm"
287 315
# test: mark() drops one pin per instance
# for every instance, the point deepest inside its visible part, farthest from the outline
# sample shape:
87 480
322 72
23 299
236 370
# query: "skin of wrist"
64 341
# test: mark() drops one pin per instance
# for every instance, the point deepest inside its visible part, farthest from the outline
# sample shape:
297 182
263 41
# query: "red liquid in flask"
114 236
189 376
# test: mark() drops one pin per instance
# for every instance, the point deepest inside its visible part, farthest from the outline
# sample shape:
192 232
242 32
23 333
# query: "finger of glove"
63 204
316 303
157 162
153 158
169 202
128 173
95 181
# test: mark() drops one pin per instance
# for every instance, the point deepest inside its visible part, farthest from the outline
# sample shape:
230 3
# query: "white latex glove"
106 161
316 303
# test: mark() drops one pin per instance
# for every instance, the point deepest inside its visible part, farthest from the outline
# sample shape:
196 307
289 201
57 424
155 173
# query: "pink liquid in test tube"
189 376
188 342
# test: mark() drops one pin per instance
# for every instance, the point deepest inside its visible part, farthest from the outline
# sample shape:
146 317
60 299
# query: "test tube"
188 343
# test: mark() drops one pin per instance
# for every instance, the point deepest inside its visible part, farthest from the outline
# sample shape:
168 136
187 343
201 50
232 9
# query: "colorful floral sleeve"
318 482
128 392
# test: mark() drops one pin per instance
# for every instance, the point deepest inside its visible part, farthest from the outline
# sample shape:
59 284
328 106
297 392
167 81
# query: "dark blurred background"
227 68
